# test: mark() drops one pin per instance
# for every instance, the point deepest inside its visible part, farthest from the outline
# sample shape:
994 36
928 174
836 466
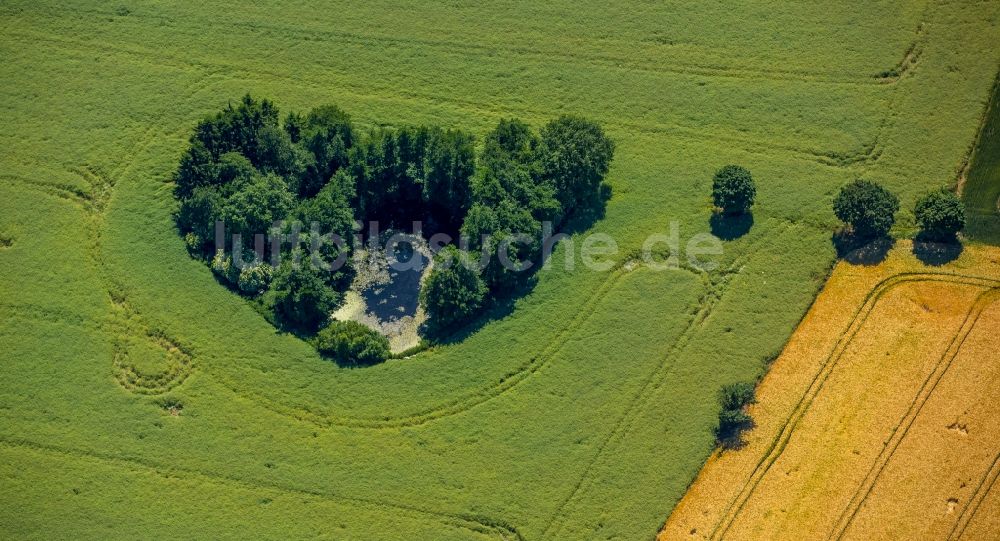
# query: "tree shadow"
734 439
936 252
862 250
730 226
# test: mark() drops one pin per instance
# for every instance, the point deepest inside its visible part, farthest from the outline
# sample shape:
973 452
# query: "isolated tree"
453 291
869 208
733 418
733 190
574 155
302 300
350 342
941 215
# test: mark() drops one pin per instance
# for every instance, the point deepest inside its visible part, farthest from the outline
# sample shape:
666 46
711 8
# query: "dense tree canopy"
940 214
733 190
869 208
453 291
575 156
258 176
302 300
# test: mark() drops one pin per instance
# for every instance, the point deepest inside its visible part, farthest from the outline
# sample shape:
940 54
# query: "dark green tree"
255 205
198 213
941 215
508 169
733 418
453 292
511 141
331 208
302 300
506 239
574 156
869 208
733 190
351 343
328 134
449 162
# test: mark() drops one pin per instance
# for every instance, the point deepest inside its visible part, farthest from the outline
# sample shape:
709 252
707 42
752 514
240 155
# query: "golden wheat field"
878 420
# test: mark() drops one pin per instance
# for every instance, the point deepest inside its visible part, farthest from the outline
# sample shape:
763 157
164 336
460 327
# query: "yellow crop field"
878 420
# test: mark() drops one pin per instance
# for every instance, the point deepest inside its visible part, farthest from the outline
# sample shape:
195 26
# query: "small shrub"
255 278
733 190
222 265
350 342
941 215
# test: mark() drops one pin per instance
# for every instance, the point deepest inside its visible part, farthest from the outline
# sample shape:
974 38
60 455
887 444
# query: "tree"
331 208
489 229
733 418
302 300
256 204
941 215
449 162
453 291
868 207
350 342
511 141
327 133
733 190
574 156
198 213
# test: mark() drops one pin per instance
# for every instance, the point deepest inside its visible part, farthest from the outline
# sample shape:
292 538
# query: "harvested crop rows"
890 437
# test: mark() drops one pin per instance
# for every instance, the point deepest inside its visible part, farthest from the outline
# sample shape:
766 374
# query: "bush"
222 265
453 291
350 342
869 208
302 300
733 190
255 278
941 215
733 419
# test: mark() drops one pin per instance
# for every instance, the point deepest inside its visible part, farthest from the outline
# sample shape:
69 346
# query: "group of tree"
250 169
869 210
521 180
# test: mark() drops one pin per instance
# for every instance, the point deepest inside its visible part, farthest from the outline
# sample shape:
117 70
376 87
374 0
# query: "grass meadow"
139 398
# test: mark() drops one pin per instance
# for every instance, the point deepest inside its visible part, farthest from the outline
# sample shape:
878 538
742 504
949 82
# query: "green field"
981 189
139 398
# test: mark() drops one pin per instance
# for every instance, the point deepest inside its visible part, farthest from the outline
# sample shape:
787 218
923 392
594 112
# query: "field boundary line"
713 295
982 302
478 525
860 316
67 193
982 490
